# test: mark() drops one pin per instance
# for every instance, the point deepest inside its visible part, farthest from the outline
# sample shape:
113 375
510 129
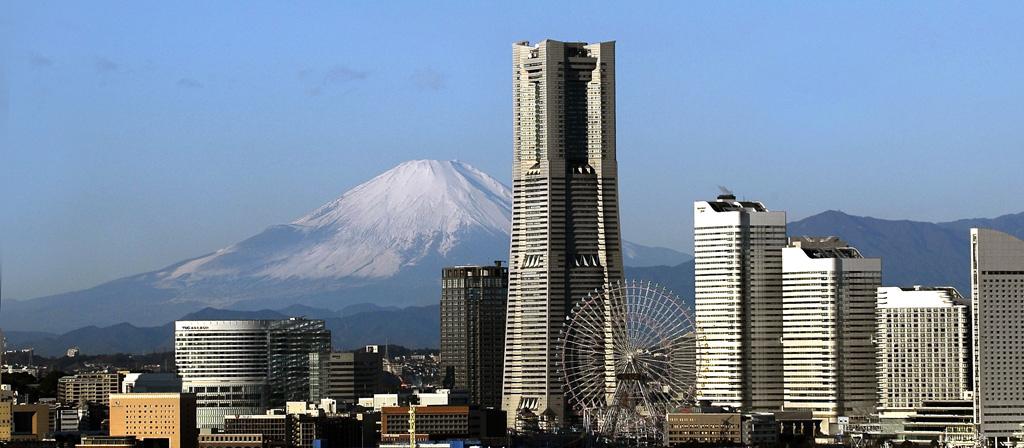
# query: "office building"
565 213
272 428
168 416
922 343
829 296
6 414
150 382
442 422
997 296
948 423
242 367
699 428
29 422
65 418
295 346
353 375
231 441
96 441
738 297
82 388
473 305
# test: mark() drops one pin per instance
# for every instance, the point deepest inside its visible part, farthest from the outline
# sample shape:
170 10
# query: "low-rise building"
29 422
379 401
170 416
150 383
231 441
760 429
716 428
950 423
109 442
65 418
442 422
272 427
83 388
6 414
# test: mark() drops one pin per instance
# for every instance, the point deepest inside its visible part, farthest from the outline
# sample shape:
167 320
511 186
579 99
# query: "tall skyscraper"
473 306
245 366
829 293
565 212
922 349
737 250
997 296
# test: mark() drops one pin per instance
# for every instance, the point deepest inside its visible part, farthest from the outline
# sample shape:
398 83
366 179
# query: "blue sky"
138 134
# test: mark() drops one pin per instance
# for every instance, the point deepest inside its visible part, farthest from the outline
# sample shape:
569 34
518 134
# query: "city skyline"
796 334
164 129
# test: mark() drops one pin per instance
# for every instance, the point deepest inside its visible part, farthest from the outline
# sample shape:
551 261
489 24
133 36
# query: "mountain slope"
414 327
912 252
383 242
638 255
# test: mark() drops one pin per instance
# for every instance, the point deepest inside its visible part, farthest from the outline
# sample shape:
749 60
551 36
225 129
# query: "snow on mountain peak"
414 210
423 195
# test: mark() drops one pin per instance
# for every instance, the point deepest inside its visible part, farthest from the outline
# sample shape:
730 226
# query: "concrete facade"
565 213
473 307
829 299
997 290
82 388
922 339
245 366
738 296
170 416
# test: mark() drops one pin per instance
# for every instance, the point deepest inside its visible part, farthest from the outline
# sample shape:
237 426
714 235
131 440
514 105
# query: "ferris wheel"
628 358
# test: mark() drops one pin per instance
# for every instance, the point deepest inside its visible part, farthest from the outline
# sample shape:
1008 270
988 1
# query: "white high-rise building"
922 348
829 299
565 214
737 249
997 297
245 366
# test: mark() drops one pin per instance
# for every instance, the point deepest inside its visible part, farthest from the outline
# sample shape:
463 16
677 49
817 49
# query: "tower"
565 215
473 305
737 250
997 296
829 293
923 348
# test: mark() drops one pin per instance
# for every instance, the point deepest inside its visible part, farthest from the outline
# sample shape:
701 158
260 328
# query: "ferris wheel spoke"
643 335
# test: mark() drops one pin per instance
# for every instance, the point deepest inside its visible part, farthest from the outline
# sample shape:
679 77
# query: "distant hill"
413 327
678 278
912 252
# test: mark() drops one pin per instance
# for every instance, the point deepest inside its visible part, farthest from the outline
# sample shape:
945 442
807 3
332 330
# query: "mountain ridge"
419 328
383 242
359 324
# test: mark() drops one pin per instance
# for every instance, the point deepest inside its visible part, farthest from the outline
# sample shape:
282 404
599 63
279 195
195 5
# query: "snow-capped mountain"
383 242
398 219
